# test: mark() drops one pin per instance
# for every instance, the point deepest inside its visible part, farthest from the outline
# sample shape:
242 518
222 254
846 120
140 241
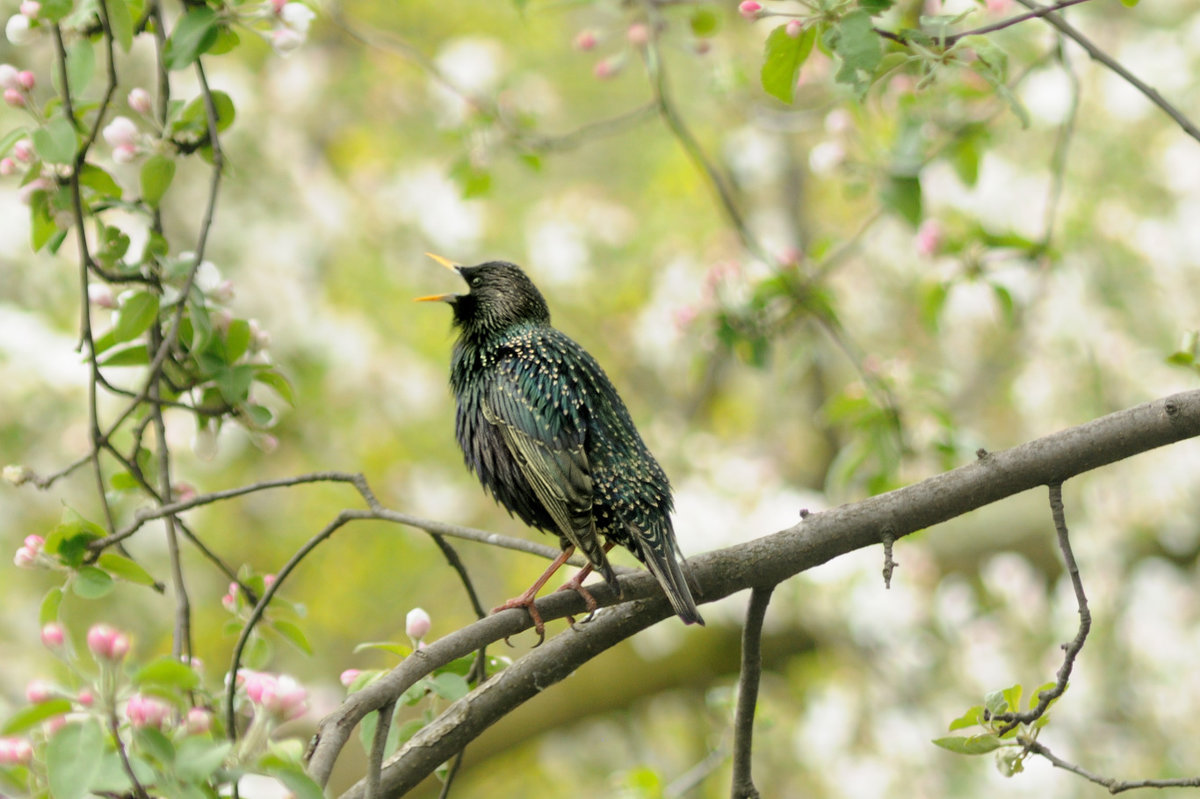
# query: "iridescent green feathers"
546 433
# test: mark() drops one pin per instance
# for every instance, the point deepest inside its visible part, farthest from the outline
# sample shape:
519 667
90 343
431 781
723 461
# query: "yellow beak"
446 262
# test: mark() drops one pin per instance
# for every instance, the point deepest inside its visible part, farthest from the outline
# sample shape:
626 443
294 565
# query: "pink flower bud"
17 29
85 697
223 291
348 677
269 580
31 8
15 752
100 295
198 721
285 40
25 195
585 40
125 153
34 542
146 711
27 79
289 700
606 69
417 624
39 691
638 34
749 9
53 635
794 28
184 492
107 643
999 6
53 725
9 77
7 166
23 150
14 97
277 5
25 558
120 131
139 100
929 238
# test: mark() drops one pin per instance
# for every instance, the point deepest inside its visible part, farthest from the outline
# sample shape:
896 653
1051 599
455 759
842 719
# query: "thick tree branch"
764 561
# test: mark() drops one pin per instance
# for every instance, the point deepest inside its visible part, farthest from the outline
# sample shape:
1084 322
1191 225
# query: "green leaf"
55 10
279 383
155 744
875 7
1012 696
450 686
1129 3
198 757
50 604
31 715
237 339
300 784
704 22
969 719
11 138
42 226
472 181
975 745
121 566
782 61
227 39
902 194
294 635
137 354
234 383
92 583
195 115
995 703
386 646
120 22
366 733
854 40
192 36
99 181
55 143
167 672
136 315
81 65
73 758
156 177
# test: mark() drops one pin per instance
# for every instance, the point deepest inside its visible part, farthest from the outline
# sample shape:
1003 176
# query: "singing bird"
542 427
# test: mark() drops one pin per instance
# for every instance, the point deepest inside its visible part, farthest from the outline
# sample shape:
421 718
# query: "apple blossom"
120 131
15 752
107 643
39 691
7 166
139 100
199 721
585 40
638 33
17 29
750 9
85 697
348 676
607 68
100 295
27 79
9 77
794 28
53 635
146 711
297 16
23 150
929 237
26 192
14 97
285 40
30 8
417 624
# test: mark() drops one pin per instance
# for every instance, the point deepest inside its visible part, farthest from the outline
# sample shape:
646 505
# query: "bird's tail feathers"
665 566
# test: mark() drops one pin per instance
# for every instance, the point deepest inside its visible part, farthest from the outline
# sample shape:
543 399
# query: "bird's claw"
526 603
575 585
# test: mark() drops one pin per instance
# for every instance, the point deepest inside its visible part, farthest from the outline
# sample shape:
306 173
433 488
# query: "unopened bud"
139 100
749 9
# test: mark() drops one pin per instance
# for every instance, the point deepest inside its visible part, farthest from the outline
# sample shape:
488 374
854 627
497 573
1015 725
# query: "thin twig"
383 725
1062 146
1007 23
743 724
114 727
1113 785
1104 58
1072 648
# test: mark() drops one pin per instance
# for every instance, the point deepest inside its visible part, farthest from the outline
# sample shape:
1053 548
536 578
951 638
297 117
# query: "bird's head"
499 295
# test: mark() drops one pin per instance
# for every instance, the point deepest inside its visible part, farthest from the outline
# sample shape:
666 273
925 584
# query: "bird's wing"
541 428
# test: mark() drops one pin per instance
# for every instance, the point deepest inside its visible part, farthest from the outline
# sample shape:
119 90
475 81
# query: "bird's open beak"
446 262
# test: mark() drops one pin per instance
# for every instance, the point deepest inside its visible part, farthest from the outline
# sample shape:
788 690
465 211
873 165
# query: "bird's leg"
526 599
576 584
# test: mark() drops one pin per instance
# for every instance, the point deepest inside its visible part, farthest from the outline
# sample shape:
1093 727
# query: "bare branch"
751 675
1113 785
383 725
1071 649
819 537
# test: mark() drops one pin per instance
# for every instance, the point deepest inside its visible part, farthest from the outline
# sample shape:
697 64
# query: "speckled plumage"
543 428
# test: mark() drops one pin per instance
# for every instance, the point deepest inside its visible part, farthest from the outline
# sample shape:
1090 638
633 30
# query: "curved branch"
817 538
743 723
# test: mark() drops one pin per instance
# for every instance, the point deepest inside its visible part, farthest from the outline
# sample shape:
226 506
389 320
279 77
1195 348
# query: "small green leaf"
782 61
902 194
227 39
92 583
55 10
969 719
192 36
386 646
137 313
136 354
472 181
279 383
156 177
234 383
855 42
11 138
197 758
293 634
81 65
704 22
450 686
42 226
1129 3
50 605
123 481
237 339
73 758
99 181
974 745
55 143
167 672
300 784
155 744
995 703
875 7
121 566
195 115
120 22
31 715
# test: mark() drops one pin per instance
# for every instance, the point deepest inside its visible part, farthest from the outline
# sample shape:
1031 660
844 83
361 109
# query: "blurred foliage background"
934 276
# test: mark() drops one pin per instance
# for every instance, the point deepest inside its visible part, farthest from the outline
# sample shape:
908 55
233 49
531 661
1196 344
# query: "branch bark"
769 560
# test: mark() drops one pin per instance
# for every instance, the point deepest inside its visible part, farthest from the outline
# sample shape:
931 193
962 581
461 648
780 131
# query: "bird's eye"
476 282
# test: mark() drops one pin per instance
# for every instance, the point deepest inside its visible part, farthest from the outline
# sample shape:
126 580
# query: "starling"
543 428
